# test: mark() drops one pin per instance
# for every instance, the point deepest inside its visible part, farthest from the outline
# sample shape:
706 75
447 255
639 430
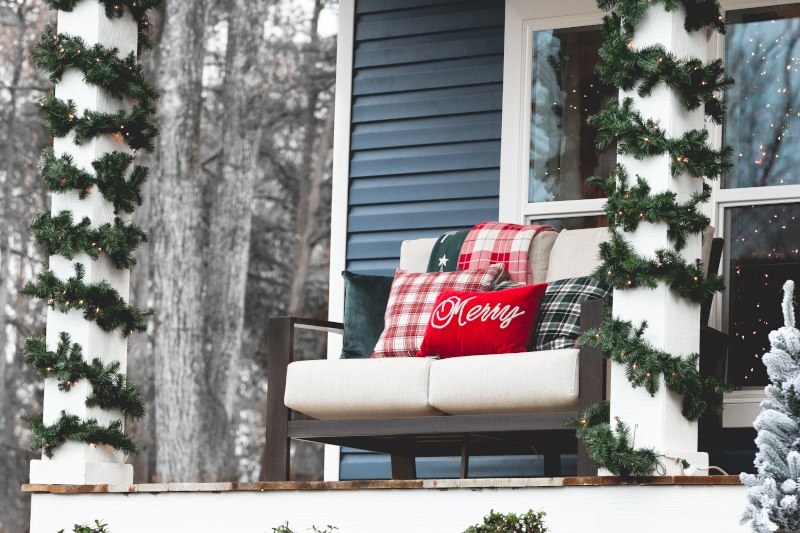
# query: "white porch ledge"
687 504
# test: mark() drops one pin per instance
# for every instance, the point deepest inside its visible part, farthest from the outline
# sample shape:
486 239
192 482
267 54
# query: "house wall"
599 509
426 113
424 147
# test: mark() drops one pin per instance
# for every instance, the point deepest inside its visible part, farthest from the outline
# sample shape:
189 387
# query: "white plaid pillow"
411 303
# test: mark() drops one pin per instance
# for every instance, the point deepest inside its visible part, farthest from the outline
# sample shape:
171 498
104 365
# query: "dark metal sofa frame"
452 435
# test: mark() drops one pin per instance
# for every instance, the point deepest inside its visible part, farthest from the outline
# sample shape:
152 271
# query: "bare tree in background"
230 223
177 245
21 194
265 129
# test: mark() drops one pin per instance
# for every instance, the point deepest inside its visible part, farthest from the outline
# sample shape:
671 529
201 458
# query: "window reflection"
565 92
762 53
764 243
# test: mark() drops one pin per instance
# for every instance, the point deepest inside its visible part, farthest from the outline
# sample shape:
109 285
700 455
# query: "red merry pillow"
412 299
465 323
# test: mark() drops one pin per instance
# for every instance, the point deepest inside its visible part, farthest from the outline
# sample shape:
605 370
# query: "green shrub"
100 528
285 529
530 522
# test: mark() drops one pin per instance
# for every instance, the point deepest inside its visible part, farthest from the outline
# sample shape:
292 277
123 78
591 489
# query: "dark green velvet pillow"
365 299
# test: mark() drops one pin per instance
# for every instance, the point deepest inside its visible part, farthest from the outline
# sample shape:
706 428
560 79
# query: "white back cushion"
414 255
575 253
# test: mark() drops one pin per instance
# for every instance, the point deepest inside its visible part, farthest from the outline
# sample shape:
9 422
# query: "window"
548 150
758 202
565 91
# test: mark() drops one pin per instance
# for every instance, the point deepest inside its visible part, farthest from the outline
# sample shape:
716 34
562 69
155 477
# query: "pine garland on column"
697 84
120 185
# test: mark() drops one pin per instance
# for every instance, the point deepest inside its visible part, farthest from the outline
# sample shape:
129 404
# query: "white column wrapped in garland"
655 53
98 114
673 322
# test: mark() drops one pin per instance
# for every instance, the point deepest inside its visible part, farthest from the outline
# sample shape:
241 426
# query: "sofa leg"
280 346
465 457
552 464
404 467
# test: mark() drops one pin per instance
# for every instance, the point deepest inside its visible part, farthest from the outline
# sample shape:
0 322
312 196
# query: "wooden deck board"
438 484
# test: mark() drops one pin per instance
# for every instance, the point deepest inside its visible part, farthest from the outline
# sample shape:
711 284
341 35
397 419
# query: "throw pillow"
559 322
365 300
464 323
411 302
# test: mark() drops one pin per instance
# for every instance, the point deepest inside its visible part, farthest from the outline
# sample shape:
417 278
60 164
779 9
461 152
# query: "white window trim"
522 19
343 106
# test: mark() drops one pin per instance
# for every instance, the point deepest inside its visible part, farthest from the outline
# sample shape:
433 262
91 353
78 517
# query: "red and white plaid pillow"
411 302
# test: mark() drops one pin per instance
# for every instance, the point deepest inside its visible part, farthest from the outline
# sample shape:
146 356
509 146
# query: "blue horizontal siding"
419 131
428 103
425 152
423 187
437 46
436 74
432 19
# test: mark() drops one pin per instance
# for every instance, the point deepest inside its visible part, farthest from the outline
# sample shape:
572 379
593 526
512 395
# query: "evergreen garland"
641 138
116 9
120 78
110 388
62 237
646 68
61 175
646 365
134 128
98 301
70 427
614 452
100 66
699 13
622 268
627 206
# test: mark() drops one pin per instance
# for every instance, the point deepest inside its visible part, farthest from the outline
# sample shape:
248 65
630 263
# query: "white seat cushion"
343 389
531 382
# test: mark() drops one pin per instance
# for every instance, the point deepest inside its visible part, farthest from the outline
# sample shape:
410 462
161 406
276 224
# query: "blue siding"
425 154
425 143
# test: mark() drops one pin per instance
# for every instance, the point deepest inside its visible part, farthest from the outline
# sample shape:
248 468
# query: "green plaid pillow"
559 320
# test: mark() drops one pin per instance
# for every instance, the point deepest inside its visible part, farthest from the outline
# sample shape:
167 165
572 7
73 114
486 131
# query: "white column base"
696 459
80 473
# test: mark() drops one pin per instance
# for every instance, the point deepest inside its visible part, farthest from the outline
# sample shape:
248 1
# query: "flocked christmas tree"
773 493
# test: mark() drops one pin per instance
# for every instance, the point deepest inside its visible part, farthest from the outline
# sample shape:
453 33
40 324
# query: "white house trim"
522 19
340 177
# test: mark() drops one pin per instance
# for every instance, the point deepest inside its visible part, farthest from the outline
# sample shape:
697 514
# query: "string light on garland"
115 312
62 237
110 388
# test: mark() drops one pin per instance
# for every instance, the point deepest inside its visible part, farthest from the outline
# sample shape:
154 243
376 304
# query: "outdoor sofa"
502 404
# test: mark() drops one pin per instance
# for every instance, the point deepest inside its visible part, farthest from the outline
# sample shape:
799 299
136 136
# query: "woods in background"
238 210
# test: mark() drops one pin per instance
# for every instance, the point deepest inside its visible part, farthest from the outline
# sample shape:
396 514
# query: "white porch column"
673 322
76 462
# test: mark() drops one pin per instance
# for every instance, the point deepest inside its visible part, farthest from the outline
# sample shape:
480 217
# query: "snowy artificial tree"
773 494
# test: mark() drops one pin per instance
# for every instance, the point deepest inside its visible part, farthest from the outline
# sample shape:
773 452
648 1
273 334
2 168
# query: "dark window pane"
764 241
565 91
762 53
598 221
